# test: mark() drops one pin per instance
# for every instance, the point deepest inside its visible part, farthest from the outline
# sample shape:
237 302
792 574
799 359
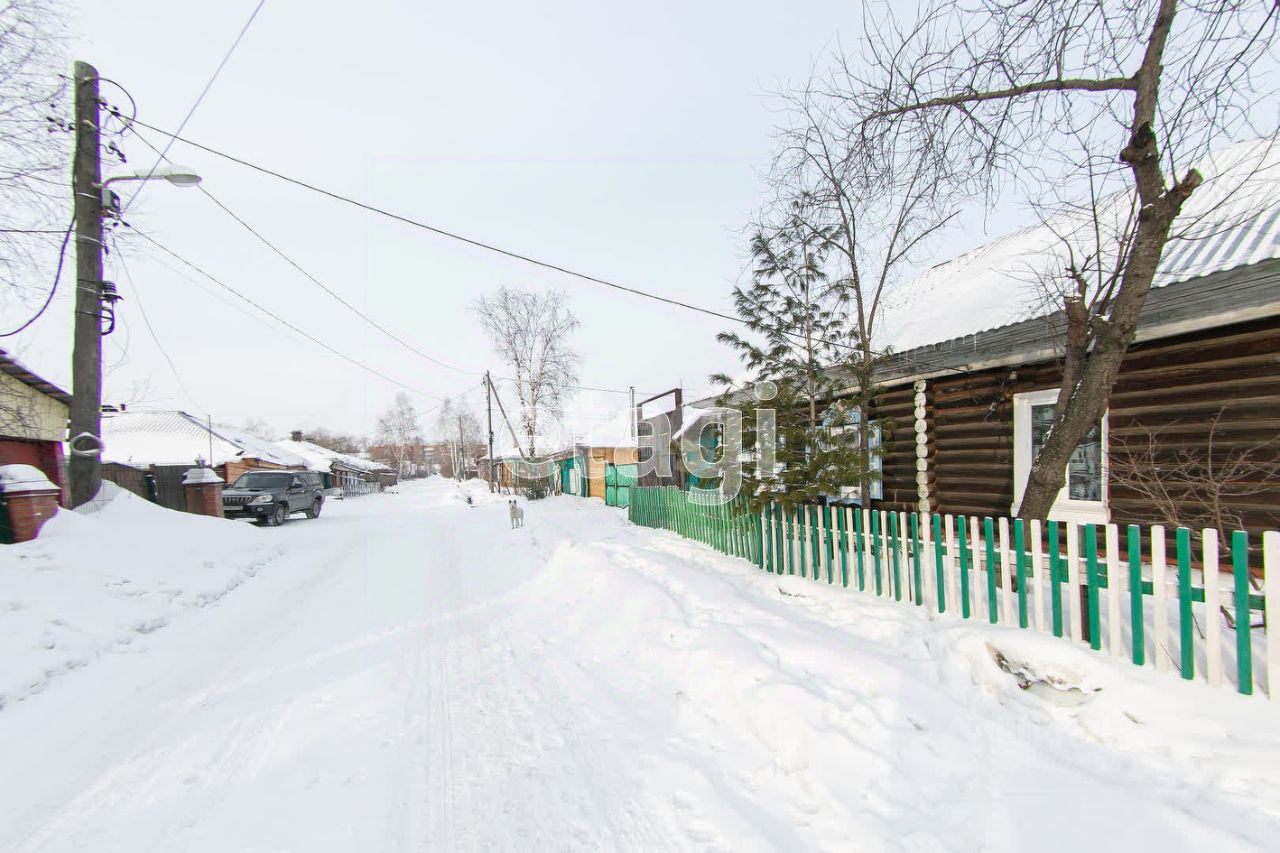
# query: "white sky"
625 142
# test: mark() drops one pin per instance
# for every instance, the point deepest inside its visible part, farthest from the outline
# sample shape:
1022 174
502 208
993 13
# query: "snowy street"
408 673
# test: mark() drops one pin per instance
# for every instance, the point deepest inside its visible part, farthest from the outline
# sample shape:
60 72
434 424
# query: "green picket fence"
1123 591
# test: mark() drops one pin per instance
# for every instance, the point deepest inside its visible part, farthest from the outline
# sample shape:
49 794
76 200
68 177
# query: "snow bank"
91 584
849 714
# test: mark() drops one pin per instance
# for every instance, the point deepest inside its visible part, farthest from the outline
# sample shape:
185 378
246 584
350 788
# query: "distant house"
33 420
163 444
352 474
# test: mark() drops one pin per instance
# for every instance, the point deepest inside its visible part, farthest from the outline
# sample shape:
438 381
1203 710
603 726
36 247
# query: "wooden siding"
1176 385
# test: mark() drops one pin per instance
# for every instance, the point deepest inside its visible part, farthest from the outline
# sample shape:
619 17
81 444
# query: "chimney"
296 435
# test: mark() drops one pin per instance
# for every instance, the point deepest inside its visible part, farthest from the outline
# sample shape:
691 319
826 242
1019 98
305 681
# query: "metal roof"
15 369
1231 221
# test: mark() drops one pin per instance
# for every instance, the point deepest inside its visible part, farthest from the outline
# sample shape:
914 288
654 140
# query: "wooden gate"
170 492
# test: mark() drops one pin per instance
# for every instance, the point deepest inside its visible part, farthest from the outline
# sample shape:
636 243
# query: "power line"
175 137
137 295
199 100
280 319
353 309
480 244
57 274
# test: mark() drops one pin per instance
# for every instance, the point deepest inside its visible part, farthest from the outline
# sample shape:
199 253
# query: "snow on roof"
177 438
1232 220
319 458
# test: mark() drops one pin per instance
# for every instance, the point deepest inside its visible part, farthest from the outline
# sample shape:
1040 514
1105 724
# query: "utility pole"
634 414
488 401
84 468
462 451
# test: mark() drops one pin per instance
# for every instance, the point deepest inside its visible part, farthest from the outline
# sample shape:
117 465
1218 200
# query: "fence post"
1187 648
1212 622
941 586
988 533
1244 645
898 537
918 595
843 534
961 523
1094 618
1160 598
1037 576
861 527
1115 639
1271 598
815 542
875 548
1136 618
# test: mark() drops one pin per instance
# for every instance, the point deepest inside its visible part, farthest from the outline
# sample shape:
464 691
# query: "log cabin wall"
1174 386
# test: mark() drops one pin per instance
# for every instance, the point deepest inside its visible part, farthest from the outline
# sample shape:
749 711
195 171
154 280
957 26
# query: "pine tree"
797 319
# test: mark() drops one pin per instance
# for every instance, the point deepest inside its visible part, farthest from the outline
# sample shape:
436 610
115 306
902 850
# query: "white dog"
516 513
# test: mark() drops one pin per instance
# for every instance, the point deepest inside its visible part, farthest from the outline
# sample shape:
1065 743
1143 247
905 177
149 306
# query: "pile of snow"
90 584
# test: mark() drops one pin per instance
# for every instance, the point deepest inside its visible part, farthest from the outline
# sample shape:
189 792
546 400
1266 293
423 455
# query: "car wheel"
278 515
314 511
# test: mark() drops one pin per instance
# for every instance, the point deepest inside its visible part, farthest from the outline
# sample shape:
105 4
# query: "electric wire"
353 309
137 298
280 319
480 244
203 92
57 274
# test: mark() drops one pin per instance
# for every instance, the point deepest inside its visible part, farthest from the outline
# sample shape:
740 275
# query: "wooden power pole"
488 400
84 468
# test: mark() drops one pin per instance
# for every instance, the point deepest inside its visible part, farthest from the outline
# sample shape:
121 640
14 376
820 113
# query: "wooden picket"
1102 588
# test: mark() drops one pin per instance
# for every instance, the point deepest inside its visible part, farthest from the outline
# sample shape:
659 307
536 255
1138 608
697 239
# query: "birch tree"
1133 94
530 332
398 429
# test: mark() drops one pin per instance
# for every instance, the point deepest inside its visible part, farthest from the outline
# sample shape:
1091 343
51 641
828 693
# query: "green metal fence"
1114 589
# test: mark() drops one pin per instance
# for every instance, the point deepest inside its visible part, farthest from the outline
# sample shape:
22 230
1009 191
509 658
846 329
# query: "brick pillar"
204 492
28 511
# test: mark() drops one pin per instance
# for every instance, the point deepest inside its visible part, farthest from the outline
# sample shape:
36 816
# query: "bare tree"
1132 94
1197 485
338 442
458 428
398 430
876 203
531 332
258 428
33 148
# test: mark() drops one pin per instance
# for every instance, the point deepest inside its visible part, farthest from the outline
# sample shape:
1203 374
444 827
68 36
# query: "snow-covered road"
407 673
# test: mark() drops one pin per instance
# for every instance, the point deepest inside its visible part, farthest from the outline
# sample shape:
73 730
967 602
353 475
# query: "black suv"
271 496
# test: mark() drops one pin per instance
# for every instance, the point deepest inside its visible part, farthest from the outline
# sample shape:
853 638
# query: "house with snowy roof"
166 443
351 475
974 367
33 420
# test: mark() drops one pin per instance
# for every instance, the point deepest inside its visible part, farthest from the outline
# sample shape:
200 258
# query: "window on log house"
1084 496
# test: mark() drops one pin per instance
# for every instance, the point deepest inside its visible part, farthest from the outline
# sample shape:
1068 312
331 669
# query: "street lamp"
179 176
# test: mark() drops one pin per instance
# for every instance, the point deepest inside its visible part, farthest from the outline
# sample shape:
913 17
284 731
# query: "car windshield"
262 480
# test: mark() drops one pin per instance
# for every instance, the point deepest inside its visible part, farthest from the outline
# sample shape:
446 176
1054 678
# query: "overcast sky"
625 142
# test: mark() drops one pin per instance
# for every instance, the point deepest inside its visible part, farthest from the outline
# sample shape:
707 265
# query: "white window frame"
874 445
1064 508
